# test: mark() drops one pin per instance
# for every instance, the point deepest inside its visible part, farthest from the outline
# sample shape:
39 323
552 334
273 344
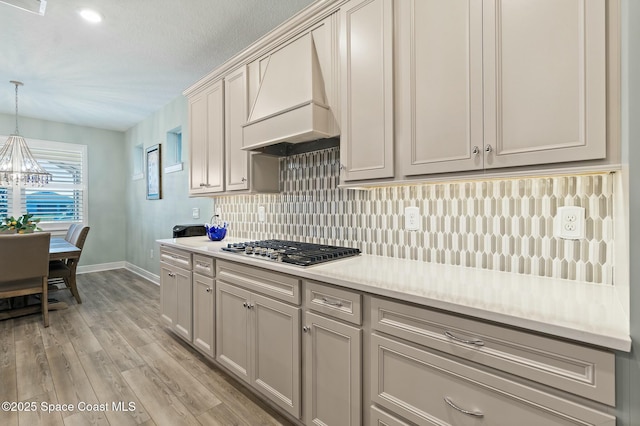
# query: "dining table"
59 249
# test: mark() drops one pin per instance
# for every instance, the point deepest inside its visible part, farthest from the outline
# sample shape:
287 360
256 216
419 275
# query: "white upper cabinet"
439 81
366 52
499 83
206 129
237 160
544 81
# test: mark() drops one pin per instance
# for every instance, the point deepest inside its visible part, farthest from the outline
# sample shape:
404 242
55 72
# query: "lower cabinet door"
332 372
430 389
275 351
203 313
168 294
232 329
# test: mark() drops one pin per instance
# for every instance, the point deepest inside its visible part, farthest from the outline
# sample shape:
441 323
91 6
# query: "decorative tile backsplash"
501 224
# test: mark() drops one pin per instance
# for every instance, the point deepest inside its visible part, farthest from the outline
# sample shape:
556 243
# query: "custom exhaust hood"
291 104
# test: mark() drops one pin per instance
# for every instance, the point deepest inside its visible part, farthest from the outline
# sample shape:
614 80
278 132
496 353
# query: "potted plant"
22 225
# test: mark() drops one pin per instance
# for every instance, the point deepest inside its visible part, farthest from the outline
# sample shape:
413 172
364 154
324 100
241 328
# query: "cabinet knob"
251 306
208 290
244 179
171 274
203 184
306 329
476 150
245 304
488 149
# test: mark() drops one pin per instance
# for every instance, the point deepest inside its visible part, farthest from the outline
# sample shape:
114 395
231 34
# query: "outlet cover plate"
570 223
411 218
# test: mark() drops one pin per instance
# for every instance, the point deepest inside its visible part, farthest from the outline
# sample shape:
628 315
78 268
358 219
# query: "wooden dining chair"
65 270
24 266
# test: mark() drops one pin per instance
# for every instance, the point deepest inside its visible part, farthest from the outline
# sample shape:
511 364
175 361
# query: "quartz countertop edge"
579 311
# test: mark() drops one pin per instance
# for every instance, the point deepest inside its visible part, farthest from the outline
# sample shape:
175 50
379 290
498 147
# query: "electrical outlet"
411 218
570 223
261 214
195 213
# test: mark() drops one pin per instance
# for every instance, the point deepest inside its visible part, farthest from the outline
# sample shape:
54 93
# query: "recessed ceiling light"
91 16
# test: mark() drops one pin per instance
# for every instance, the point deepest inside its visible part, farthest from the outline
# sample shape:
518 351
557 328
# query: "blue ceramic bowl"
216 234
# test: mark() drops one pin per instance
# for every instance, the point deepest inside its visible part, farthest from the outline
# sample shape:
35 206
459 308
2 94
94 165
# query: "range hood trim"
305 122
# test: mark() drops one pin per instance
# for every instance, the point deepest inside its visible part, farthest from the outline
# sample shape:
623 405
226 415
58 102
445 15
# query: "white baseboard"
120 265
143 273
101 267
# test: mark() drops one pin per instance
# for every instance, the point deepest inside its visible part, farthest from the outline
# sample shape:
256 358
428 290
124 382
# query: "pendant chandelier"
17 165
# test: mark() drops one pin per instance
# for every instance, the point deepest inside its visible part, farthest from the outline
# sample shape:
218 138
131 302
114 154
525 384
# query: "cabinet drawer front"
581 370
176 257
335 302
429 389
279 286
204 265
381 418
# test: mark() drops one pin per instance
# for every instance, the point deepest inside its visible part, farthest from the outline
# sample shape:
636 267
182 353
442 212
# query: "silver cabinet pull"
171 274
488 149
251 306
476 150
332 302
306 329
474 342
245 304
208 290
463 411
244 179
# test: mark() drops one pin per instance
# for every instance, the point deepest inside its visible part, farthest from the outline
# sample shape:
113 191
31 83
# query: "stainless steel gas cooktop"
293 252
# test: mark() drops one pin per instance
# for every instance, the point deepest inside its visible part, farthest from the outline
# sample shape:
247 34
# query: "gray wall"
106 184
628 365
149 220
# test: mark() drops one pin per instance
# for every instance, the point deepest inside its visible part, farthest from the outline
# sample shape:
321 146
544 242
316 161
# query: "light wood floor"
112 348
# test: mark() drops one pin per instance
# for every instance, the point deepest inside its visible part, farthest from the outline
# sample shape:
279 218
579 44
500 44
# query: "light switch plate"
411 218
195 213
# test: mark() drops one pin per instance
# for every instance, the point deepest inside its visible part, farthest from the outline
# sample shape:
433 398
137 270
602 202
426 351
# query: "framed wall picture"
154 181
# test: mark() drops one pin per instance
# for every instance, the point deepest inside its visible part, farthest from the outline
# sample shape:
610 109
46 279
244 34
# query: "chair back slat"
70 231
24 256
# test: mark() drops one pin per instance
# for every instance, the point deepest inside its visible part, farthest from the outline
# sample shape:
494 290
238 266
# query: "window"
64 200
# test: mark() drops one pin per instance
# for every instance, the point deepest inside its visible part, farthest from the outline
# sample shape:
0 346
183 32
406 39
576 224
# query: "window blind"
63 200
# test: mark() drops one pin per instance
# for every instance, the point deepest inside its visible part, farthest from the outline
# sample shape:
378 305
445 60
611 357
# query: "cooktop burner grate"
293 252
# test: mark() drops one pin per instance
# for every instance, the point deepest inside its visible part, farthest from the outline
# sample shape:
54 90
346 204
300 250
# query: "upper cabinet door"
439 85
366 50
206 125
544 81
237 171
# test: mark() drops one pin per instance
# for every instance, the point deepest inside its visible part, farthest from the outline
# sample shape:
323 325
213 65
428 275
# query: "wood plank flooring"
112 349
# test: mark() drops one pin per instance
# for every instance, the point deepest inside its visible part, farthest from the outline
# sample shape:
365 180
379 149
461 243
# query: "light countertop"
584 312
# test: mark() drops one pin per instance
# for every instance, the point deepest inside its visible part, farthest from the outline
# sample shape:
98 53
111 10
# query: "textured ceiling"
115 74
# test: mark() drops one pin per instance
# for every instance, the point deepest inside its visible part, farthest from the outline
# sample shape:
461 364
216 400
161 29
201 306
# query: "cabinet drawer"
279 286
429 389
343 304
381 418
577 369
175 257
204 265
